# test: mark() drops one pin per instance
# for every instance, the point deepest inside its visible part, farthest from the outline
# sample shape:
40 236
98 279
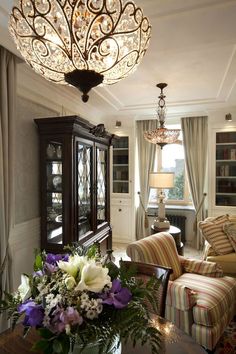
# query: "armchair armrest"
197 266
180 296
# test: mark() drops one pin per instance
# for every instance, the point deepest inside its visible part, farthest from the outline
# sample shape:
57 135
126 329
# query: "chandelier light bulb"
80 42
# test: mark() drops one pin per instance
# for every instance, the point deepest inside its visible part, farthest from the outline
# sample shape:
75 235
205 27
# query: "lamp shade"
161 180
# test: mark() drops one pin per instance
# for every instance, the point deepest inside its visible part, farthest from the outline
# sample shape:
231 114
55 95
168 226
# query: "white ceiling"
192 48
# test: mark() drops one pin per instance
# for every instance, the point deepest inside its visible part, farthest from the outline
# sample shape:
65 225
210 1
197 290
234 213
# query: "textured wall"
27 159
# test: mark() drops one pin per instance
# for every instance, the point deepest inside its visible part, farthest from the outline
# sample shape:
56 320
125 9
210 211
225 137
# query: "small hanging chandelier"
80 42
162 136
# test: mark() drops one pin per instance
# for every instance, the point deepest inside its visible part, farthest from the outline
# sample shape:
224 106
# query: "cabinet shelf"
225 160
225 144
120 181
120 149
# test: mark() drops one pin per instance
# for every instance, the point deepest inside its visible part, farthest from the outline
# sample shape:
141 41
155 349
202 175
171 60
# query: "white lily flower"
24 288
93 277
74 264
70 282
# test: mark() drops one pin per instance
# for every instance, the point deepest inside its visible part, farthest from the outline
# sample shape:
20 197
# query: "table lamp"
161 181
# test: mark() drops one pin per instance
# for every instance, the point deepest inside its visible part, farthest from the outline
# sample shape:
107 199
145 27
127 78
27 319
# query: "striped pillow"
210 269
215 235
218 219
230 230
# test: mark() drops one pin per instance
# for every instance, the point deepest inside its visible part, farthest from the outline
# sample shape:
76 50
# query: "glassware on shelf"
51 214
51 151
59 152
57 182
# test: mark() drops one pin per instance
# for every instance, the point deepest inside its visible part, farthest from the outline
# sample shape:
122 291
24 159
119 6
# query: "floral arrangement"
80 297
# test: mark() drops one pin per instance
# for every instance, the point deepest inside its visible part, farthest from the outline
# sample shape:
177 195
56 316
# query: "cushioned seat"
214 296
199 300
227 262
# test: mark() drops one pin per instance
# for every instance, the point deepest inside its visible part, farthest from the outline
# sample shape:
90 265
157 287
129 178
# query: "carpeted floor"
227 343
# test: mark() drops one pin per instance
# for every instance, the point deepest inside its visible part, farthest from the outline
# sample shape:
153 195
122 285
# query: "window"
171 159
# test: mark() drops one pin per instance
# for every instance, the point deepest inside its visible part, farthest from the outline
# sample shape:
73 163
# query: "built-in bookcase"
225 169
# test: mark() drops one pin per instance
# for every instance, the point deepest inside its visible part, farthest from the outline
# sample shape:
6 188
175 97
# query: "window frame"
158 163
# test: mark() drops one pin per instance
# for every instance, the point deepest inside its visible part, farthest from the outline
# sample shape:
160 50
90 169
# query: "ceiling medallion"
80 42
162 136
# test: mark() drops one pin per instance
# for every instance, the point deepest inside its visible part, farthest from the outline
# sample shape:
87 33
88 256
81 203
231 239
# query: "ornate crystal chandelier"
80 42
162 136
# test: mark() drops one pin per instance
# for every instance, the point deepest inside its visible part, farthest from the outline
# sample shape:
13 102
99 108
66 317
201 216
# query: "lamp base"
161 225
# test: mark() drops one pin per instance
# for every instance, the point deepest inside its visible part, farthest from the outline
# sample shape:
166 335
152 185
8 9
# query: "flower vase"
93 348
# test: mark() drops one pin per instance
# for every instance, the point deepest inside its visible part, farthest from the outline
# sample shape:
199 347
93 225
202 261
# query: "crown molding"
157 14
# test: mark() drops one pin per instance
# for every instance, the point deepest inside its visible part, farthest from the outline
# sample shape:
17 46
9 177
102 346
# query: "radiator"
178 221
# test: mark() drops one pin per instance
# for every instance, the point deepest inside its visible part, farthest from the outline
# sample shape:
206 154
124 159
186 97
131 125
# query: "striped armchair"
200 300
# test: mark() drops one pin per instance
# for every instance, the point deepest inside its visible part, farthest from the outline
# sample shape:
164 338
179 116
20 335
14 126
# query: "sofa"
220 242
200 300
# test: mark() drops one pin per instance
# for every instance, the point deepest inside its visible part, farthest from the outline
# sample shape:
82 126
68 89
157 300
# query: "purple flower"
61 318
34 313
117 296
39 273
50 265
54 258
71 316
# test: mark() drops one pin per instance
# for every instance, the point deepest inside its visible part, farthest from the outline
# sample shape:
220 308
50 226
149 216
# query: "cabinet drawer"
117 202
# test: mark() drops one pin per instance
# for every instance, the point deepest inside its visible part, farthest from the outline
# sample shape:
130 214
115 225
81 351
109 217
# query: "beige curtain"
7 123
195 137
146 156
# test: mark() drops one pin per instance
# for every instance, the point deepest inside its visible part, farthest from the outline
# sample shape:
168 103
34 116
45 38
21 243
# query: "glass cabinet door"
101 158
84 187
54 199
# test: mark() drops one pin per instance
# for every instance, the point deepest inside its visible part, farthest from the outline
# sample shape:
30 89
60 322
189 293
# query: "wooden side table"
176 233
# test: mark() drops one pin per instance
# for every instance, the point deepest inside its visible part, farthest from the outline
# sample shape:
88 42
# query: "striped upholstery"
213 232
201 267
230 230
163 252
218 219
208 250
200 305
182 319
209 336
180 296
214 296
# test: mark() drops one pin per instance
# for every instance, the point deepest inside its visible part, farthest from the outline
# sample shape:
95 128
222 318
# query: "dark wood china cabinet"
75 200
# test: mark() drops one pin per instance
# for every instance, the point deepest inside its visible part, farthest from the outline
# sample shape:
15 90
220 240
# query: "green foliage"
144 292
91 251
38 261
177 193
51 343
9 305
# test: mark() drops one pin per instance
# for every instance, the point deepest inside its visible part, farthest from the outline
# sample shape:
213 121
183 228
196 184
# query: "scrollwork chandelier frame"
80 42
161 135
